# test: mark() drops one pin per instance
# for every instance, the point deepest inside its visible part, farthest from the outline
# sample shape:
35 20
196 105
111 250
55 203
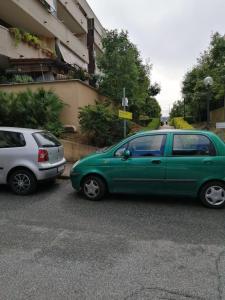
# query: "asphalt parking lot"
55 245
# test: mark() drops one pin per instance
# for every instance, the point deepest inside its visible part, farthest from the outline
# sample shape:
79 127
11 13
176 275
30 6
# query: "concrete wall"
73 93
217 115
74 151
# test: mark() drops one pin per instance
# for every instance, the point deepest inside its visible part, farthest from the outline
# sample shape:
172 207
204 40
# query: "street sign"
125 115
220 125
125 101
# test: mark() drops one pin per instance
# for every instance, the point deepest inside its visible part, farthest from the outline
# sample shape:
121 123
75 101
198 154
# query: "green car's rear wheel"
213 194
93 187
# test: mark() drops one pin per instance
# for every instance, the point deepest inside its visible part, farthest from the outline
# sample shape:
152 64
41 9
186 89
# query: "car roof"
16 129
190 131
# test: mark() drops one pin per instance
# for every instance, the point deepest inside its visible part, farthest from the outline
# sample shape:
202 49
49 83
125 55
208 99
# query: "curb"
64 177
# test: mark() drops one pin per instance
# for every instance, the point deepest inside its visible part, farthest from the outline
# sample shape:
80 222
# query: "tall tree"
121 66
210 63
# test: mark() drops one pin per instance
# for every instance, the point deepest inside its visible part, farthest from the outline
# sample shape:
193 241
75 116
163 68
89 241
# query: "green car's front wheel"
93 187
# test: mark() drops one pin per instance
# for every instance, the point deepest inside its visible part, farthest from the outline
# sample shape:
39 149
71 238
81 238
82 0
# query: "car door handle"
156 161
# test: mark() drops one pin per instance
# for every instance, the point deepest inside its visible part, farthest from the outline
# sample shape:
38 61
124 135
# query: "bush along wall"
40 109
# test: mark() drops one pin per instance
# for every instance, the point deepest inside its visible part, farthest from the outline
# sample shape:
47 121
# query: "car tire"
93 188
22 182
212 194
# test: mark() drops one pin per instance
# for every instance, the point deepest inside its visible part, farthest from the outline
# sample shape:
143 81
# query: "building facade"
48 39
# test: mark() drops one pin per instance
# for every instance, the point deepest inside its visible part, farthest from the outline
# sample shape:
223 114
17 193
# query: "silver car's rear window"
45 139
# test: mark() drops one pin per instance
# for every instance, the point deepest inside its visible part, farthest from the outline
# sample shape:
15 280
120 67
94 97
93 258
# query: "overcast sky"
170 33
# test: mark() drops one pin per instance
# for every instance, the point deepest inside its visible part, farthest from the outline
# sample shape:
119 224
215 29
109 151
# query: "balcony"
33 16
90 14
8 48
69 13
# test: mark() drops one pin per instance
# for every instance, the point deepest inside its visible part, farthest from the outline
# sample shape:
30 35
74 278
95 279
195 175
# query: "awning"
71 58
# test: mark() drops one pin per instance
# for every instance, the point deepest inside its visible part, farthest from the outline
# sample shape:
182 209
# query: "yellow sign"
125 115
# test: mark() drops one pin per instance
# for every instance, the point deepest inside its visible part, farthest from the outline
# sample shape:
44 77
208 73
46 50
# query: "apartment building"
47 39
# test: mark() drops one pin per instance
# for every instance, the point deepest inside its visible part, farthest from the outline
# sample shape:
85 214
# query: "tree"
210 63
177 109
122 66
151 108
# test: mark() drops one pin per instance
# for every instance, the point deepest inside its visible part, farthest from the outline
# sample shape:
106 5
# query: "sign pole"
124 108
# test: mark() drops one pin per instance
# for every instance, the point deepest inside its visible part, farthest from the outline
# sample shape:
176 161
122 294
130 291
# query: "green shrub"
100 124
180 123
153 124
40 109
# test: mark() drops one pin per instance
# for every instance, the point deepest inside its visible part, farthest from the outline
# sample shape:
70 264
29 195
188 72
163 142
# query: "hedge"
153 124
180 123
39 109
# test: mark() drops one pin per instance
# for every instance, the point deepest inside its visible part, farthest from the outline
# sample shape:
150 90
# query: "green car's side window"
144 146
192 145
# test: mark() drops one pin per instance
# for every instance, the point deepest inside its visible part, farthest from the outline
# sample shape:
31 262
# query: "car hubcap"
21 183
91 188
215 195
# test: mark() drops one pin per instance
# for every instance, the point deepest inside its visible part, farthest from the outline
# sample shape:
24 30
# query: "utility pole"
124 108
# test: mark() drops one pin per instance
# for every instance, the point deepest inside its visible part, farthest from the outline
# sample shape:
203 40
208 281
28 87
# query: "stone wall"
74 151
74 93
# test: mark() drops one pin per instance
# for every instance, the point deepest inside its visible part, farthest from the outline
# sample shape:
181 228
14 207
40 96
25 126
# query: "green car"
162 162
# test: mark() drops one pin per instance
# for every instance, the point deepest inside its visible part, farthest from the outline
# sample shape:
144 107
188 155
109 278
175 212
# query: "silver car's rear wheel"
93 187
213 194
22 182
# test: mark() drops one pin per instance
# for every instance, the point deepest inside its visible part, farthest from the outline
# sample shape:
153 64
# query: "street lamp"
208 82
184 107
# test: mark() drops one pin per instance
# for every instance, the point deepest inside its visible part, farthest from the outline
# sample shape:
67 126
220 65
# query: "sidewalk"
166 127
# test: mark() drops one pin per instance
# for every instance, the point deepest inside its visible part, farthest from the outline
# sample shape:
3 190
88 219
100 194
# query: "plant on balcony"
31 40
80 74
36 42
26 37
17 35
49 52
20 35
22 79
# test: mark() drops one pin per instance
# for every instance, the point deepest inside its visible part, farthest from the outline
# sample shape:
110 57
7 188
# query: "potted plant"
16 33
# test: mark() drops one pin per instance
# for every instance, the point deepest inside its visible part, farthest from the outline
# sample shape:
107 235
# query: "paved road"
166 127
55 245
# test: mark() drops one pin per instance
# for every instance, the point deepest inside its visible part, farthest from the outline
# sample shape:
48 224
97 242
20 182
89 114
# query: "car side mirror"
126 154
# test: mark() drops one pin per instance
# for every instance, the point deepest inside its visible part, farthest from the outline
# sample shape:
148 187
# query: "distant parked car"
163 162
28 156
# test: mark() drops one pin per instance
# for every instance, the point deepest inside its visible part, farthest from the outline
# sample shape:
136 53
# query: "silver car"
28 156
